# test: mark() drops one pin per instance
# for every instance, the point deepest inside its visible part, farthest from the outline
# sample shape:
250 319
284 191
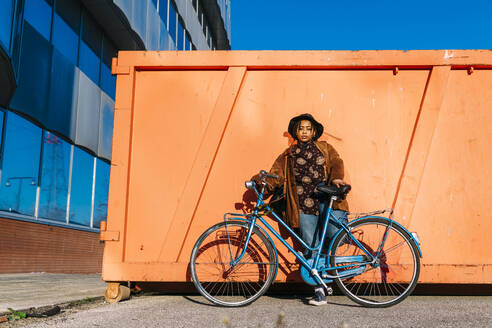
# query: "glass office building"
56 114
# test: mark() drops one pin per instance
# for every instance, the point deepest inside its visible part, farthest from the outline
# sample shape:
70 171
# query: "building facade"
56 115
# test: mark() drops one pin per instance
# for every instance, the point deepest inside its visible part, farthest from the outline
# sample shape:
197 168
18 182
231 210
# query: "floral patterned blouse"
309 172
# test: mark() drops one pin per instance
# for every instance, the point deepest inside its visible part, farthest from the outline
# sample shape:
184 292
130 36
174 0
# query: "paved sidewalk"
25 290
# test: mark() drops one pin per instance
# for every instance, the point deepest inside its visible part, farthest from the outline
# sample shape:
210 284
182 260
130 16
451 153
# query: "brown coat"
284 168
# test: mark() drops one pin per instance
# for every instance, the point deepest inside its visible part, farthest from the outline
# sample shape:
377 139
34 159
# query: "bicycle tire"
217 280
384 284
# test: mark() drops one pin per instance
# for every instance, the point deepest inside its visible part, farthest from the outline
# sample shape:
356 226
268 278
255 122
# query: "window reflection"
90 48
30 96
66 25
65 39
55 171
108 81
163 5
6 14
204 24
101 193
187 43
38 13
20 165
81 188
200 14
172 28
180 38
2 115
15 41
70 12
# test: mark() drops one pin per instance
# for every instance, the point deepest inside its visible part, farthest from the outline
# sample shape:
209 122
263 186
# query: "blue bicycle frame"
359 259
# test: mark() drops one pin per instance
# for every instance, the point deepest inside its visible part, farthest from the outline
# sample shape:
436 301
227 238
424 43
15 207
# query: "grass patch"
15 315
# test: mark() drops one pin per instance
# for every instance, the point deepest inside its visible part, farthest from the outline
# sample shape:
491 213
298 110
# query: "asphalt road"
271 311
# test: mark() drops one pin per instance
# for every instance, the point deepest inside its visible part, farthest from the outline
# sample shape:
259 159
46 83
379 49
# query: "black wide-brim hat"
318 127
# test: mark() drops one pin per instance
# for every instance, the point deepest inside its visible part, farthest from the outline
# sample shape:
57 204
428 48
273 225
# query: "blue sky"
357 24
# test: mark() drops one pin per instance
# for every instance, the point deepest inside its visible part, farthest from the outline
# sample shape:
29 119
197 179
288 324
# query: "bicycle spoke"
242 283
384 282
392 248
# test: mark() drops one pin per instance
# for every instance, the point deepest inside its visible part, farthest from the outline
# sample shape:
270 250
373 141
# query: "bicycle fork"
235 261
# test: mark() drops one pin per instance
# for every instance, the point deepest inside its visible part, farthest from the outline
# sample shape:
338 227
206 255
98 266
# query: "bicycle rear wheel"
220 282
394 275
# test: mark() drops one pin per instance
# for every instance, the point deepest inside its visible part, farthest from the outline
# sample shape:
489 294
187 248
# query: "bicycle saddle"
334 190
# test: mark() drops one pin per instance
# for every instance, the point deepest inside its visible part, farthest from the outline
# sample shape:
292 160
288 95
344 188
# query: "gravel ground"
271 311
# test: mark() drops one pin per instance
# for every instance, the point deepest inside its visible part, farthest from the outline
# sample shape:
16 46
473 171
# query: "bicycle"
373 260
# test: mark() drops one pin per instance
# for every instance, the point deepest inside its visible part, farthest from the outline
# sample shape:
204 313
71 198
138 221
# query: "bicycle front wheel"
387 281
219 281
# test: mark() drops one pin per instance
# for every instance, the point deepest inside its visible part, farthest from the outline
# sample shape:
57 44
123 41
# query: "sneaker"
318 299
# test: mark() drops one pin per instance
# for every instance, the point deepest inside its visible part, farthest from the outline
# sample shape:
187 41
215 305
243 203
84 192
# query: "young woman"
301 167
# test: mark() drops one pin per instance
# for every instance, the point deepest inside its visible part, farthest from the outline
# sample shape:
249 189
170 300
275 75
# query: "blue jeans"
311 226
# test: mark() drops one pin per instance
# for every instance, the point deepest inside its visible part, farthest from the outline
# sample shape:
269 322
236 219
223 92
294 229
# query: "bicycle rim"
227 285
392 278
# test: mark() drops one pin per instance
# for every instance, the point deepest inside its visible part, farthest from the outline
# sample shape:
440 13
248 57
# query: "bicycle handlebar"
263 174
268 175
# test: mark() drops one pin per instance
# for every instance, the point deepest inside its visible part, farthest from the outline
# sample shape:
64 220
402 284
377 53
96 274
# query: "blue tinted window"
15 41
66 26
38 13
180 41
2 115
101 193
31 95
6 15
90 48
59 115
163 37
187 42
139 21
20 165
108 81
172 28
163 10
109 51
204 24
89 62
55 171
106 127
65 39
81 189
70 12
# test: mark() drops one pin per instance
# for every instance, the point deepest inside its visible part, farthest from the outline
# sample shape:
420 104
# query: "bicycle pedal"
329 291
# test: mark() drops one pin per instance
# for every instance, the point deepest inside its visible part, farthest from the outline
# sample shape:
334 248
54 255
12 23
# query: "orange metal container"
412 127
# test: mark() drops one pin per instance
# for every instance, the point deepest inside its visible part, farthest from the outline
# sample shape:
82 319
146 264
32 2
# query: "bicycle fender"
268 237
377 217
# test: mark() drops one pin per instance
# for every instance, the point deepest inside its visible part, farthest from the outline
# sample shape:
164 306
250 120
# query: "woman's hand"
338 182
